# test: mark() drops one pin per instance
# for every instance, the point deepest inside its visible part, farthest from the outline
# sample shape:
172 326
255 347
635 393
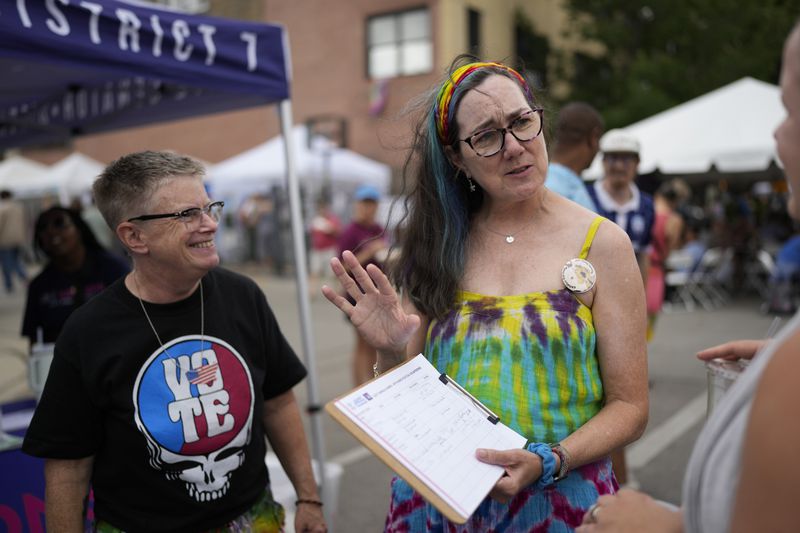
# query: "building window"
399 44
474 29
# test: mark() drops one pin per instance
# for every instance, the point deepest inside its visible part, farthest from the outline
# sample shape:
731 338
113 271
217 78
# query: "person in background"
324 231
365 238
784 281
693 239
164 386
667 235
787 260
577 139
519 294
78 268
12 238
743 471
619 199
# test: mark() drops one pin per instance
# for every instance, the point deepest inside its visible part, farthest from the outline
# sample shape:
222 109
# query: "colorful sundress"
531 359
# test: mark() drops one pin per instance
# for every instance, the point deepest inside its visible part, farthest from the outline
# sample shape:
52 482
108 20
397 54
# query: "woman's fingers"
380 281
358 272
338 300
741 349
345 279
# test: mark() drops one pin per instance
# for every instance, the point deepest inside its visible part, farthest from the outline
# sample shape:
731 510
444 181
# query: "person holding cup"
743 471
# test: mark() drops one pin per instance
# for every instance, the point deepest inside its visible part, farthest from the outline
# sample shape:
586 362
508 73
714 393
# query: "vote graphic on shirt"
194 404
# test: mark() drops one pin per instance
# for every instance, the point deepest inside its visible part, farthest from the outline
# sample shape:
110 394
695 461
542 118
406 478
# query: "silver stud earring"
471 184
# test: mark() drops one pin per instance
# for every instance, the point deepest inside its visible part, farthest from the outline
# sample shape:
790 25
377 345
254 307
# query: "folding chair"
760 272
677 279
706 281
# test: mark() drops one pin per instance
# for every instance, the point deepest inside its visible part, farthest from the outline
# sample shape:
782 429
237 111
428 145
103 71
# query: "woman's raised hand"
377 314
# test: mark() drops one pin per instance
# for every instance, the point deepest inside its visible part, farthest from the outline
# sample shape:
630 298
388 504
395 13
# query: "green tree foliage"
661 53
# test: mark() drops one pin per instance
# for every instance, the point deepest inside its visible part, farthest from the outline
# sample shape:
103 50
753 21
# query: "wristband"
548 463
318 503
563 456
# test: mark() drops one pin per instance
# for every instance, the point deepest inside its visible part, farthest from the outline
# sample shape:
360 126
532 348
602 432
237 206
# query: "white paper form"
433 429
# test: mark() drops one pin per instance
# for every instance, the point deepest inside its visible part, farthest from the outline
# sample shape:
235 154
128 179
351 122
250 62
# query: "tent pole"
299 241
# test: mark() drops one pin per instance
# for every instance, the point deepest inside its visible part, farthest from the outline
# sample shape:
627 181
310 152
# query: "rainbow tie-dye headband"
449 86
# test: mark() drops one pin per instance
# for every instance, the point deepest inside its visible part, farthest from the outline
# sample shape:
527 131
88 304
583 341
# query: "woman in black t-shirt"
77 269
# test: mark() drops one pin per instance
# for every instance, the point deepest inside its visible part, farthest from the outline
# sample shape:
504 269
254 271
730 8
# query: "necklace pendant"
509 239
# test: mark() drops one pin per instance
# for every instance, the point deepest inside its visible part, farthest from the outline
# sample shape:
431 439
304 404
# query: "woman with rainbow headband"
525 298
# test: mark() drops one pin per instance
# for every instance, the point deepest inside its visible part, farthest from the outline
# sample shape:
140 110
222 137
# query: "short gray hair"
127 184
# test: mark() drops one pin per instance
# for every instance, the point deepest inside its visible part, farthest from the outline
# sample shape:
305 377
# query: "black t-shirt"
53 295
176 431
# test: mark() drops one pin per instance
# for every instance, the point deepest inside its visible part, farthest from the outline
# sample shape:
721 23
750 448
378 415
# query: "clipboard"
373 435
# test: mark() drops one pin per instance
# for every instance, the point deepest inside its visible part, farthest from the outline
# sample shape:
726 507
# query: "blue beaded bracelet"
548 463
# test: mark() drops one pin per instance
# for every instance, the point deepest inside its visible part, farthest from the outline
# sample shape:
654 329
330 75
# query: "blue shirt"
565 182
636 216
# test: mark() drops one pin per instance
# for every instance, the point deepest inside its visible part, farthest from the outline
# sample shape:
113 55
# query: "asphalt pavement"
658 460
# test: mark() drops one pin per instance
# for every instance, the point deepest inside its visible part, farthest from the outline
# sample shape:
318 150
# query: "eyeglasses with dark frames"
525 127
188 216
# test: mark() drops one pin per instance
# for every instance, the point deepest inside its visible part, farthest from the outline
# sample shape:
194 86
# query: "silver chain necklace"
510 237
149 321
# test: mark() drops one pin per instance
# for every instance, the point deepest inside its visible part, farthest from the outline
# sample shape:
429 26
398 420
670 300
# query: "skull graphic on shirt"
194 405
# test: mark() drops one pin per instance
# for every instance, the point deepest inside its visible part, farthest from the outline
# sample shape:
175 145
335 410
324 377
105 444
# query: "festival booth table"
75 68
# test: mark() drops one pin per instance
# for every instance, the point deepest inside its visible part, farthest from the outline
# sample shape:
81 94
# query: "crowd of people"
531 289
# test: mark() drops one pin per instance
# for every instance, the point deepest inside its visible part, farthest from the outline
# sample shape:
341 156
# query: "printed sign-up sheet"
433 429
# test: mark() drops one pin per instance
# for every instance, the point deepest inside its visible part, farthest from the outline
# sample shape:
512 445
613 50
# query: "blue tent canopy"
100 65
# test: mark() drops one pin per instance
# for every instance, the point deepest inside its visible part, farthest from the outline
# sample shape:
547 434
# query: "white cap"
619 141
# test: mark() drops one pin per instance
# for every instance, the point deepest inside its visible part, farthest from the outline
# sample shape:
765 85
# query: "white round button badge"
578 275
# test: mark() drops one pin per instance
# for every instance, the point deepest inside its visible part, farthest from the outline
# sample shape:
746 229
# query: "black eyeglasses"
525 127
191 216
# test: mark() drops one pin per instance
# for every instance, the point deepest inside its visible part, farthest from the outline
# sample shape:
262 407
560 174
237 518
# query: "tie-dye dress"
531 359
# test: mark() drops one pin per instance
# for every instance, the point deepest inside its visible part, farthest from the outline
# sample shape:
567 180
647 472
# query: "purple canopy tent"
75 67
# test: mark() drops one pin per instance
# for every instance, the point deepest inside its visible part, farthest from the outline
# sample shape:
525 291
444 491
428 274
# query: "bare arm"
284 429
619 317
766 498
66 488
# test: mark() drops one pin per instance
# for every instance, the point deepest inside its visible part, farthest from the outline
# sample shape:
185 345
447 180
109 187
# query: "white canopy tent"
262 167
74 176
25 178
728 130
